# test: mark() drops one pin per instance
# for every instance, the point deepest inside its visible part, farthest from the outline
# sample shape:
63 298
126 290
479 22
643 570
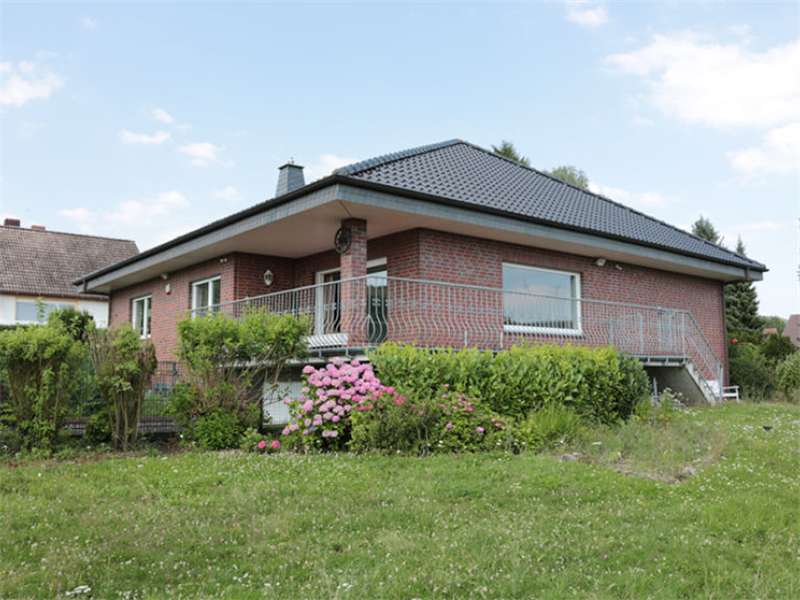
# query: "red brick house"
444 245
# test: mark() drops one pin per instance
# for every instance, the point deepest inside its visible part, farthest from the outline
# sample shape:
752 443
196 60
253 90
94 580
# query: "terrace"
353 315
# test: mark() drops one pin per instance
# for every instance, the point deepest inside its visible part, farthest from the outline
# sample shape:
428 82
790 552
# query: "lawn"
613 521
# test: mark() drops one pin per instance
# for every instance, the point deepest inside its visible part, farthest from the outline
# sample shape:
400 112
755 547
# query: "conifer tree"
705 229
507 149
741 302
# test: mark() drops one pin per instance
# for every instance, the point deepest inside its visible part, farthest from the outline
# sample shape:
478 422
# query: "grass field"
622 518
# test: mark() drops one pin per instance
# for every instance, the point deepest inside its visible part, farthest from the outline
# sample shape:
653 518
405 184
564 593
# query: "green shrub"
661 413
98 429
231 363
218 430
551 426
465 425
404 426
42 365
182 405
776 348
76 323
124 365
750 370
787 374
597 383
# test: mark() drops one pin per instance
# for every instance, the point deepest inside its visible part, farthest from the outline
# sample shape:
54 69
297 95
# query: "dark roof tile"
459 171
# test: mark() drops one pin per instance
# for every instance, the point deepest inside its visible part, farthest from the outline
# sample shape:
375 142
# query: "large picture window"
141 315
540 300
205 296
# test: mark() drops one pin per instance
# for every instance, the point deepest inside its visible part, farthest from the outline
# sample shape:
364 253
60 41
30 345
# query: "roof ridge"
82 235
384 159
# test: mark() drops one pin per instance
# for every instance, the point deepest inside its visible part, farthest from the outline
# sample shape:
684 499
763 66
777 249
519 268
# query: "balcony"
356 314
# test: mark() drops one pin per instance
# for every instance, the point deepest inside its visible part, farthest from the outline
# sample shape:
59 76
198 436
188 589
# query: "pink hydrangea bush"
321 417
465 425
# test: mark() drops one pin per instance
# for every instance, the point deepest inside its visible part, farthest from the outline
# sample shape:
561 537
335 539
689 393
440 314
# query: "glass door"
377 304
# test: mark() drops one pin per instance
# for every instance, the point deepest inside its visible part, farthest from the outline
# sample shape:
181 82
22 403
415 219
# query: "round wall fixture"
342 239
268 277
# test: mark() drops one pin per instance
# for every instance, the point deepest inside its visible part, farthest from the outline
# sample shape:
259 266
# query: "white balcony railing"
363 312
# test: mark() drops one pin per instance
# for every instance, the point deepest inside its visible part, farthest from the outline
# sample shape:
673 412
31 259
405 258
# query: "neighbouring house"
792 329
446 245
36 264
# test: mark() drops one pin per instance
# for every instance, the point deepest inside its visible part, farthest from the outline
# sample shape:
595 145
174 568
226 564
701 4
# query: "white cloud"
696 80
159 137
743 32
159 114
585 13
146 220
202 154
29 81
326 164
228 194
778 154
640 200
88 22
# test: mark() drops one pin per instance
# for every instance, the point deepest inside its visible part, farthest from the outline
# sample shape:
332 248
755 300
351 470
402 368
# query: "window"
540 300
28 312
141 315
205 296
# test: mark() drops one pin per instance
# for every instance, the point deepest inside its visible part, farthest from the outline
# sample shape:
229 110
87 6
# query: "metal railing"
365 311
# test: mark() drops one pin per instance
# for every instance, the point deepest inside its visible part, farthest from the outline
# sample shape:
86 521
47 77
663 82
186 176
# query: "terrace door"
377 306
328 318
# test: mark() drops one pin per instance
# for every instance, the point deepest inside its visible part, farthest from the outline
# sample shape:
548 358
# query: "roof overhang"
304 223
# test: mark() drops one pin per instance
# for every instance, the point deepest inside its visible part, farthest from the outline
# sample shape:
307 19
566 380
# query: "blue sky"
146 120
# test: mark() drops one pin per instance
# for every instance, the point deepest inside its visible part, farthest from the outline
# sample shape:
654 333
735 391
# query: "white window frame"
59 305
147 306
575 331
207 282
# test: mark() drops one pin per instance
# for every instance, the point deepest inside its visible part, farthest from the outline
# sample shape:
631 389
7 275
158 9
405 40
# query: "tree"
124 365
507 149
741 301
703 228
572 175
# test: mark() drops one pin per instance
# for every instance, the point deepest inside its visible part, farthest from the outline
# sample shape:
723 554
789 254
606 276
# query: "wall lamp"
600 261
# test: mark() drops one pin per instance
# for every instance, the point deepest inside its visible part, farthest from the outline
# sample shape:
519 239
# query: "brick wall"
473 261
170 307
435 256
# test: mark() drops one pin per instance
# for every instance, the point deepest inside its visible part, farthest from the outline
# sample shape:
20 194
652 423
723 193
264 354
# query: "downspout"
724 381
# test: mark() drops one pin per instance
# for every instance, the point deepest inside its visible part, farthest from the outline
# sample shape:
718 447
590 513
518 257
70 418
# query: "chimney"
290 178
11 222
38 227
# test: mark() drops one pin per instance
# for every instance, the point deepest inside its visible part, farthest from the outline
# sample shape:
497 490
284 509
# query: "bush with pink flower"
254 441
321 417
465 425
